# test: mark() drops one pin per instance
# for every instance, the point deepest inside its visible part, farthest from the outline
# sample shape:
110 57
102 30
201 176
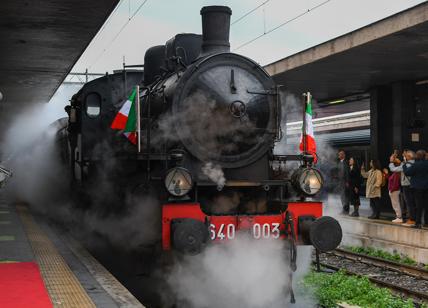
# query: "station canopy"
392 49
41 41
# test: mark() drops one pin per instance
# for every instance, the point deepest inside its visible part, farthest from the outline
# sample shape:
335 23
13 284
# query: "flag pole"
138 120
304 139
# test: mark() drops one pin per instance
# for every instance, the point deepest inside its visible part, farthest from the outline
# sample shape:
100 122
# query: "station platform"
41 266
379 233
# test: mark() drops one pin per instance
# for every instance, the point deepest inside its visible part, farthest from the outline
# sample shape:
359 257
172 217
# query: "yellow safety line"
63 287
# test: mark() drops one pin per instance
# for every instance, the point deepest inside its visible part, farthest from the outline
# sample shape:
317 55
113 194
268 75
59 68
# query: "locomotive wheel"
189 235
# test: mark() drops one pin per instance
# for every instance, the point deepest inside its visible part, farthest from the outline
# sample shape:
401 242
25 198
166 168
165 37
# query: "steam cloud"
289 144
201 121
30 150
214 173
241 273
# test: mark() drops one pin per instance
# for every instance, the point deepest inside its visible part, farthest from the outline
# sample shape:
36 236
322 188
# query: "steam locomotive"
208 121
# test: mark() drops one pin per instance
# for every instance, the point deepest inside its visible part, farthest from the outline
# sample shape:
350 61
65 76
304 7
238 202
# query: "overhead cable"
118 33
248 13
282 24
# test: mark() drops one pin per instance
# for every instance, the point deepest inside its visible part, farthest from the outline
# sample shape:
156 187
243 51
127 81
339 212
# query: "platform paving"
14 245
73 278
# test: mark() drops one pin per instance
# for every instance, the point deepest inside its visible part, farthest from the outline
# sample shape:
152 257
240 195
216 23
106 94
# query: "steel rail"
410 270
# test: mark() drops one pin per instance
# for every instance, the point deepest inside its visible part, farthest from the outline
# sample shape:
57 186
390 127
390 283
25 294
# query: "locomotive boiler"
208 121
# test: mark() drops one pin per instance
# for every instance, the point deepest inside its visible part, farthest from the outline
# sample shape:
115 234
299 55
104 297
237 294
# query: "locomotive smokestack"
215 29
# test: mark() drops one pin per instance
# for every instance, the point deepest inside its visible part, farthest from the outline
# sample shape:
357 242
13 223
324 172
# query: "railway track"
404 280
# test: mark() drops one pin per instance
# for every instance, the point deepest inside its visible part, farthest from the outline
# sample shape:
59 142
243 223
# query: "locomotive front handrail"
293 157
263 92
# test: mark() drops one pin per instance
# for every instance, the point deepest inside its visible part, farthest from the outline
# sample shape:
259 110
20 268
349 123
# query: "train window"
93 105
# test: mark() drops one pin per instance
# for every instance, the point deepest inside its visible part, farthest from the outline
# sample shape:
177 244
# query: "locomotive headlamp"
308 180
178 181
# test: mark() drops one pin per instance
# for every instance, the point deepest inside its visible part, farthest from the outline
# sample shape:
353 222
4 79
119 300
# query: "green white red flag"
126 118
311 146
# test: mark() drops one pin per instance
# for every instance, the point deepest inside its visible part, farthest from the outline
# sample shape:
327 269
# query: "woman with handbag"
373 187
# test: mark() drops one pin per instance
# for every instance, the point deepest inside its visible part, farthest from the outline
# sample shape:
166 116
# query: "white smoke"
29 122
137 225
241 273
290 104
39 178
201 121
292 107
214 173
28 150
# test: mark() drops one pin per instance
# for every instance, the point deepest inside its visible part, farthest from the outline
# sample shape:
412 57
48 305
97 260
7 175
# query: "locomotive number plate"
228 231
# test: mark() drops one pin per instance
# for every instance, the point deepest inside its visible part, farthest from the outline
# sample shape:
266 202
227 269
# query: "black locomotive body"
208 122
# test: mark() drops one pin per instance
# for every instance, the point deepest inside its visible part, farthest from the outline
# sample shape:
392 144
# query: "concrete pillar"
398 118
419 120
380 123
402 114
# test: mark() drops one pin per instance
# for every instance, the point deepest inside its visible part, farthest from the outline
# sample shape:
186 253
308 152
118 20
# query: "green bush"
331 289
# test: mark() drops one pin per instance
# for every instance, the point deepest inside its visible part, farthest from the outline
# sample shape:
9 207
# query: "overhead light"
1 96
418 83
339 101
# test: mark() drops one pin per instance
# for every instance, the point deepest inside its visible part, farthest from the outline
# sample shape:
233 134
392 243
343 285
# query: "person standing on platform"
406 190
385 201
394 194
373 188
343 179
354 186
419 183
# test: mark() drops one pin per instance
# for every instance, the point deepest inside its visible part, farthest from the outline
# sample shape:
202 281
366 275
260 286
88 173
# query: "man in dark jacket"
343 180
419 183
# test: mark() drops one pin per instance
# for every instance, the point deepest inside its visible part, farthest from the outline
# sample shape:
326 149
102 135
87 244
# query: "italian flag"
126 119
311 146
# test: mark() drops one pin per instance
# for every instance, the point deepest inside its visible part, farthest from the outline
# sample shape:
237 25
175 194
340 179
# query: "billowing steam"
214 173
241 273
214 130
30 149
292 109
290 105
137 225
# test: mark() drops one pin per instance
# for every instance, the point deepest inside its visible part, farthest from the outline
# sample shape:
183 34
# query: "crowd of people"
405 181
